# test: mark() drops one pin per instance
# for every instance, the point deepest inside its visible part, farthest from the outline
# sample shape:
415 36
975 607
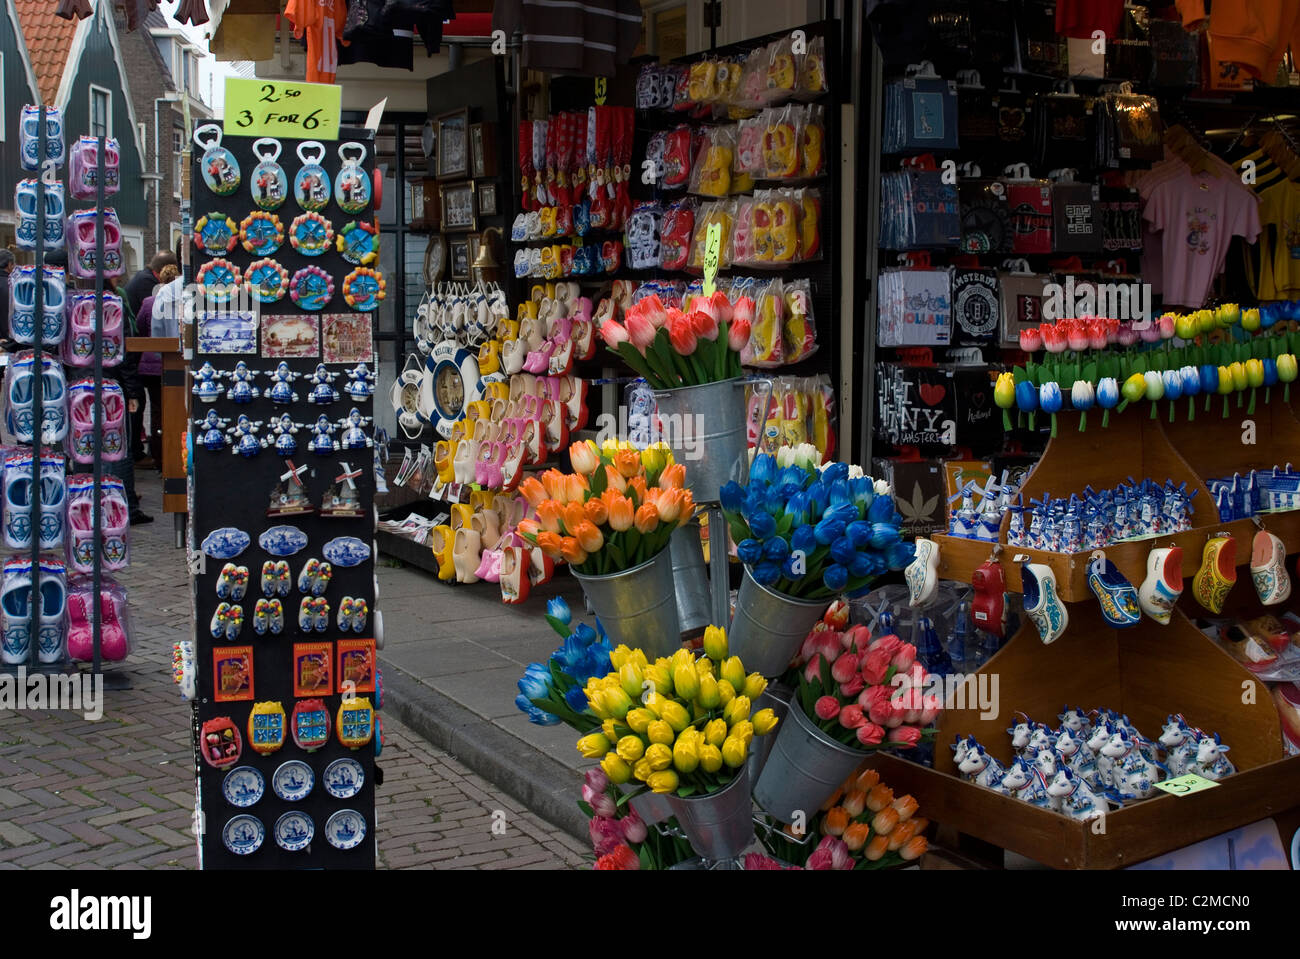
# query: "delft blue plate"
282 540
344 778
226 543
294 831
293 780
243 835
243 786
345 829
346 551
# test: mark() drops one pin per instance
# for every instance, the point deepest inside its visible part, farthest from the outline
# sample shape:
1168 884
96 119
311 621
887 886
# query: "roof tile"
49 40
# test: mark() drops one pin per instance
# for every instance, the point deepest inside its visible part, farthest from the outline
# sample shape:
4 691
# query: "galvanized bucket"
776 698
651 807
690 578
769 627
721 824
705 428
638 606
804 769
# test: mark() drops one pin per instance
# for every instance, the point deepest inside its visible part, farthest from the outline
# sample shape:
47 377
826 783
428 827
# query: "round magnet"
311 234
267 280
214 234
261 233
311 288
363 288
358 242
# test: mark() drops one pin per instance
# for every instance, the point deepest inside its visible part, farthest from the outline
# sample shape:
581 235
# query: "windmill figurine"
341 499
289 497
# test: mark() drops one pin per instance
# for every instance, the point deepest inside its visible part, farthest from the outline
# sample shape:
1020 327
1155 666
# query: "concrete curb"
544 785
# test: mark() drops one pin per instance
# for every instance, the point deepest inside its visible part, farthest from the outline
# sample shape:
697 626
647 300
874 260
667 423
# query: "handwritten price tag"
712 247
291 111
1186 785
602 90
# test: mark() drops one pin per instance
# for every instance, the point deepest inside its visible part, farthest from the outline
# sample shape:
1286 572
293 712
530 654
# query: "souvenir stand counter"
286 679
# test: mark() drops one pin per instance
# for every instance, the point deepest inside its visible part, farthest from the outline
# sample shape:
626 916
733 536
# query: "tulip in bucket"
769 627
705 426
805 767
638 606
720 825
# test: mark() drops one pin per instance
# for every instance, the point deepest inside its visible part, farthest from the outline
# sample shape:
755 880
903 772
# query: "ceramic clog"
1163 584
1118 598
922 574
1042 601
1268 569
1218 572
988 608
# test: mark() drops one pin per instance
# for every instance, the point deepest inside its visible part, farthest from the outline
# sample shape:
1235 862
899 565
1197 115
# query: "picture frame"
457 202
485 198
453 144
435 259
459 258
482 150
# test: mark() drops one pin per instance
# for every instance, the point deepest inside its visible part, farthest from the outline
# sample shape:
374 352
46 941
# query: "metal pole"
97 624
719 577
38 395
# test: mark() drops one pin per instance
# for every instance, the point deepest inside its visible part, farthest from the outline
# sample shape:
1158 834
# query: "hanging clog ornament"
352 186
358 242
311 186
267 280
266 727
311 288
218 279
218 165
261 233
311 234
270 185
214 234
363 288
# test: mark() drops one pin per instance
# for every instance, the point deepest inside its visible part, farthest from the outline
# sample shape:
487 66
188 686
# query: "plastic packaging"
115 519
782 78
723 213
800 332
116 642
781 142
675 231
711 171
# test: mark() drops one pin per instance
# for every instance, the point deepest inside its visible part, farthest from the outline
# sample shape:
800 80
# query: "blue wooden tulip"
750 551
836 577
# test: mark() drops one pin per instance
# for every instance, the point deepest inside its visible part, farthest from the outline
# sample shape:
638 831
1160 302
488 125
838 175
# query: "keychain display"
363 289
219 166
267 280
311 185
358 242
83 171
261 233
311 288
310 234
270 185
352 185
215 234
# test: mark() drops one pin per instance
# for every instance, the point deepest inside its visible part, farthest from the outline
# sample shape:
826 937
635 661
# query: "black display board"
230 490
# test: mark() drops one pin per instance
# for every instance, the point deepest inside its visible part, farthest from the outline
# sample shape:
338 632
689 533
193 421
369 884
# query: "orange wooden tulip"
835 821
670 504
901 833
621 515
628 463
673 477
533 491
573 514
879 797
885 821
906 807
646 519
528 529
867 780
550 544
549 514
575 488
914 848
553 481
572 551
877 848
588 537
614 480
855 802
597 511
856 835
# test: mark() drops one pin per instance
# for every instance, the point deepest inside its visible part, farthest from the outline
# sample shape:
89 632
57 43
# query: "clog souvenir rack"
64 523
286 682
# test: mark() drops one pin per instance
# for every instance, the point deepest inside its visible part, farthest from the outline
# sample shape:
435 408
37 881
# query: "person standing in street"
150 371
6 267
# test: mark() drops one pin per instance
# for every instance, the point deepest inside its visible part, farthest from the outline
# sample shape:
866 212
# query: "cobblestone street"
120 792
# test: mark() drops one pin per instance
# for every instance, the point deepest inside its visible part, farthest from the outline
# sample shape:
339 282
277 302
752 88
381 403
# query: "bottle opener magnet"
352 188
311 187
270 185
219 166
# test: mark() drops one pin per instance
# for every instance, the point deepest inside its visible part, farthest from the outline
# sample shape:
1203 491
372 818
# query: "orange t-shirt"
1253 33
322 21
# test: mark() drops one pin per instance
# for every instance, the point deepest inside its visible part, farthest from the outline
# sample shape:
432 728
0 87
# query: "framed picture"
482 150
453 144
459 253
485 196
457 200
435 259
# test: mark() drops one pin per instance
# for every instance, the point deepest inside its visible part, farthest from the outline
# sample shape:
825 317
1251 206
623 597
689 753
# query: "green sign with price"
1186 785
712 251
290 111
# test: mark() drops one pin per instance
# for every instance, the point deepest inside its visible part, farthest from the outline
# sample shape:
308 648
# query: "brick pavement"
119 792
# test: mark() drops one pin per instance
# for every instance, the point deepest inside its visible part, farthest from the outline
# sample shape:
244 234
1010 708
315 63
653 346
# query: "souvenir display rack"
233 491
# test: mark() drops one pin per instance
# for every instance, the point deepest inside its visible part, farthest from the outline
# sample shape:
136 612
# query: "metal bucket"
721 824
638 606
776 698
651 807
804 769
690 578
769 627
705 428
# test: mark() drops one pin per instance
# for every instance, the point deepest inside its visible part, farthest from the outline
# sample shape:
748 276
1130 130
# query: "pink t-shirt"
1198 215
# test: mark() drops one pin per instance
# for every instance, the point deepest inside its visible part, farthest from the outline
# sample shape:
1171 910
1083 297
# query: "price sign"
602 89
1186 785
291 111
712 247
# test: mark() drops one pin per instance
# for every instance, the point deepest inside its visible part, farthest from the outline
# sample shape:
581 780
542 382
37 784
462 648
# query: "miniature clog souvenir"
266 727
310 724
352 186
311 185
82 254
1218 572
270 185
922 574
215 234
29 137
25 195
1042 604
1163 584
1268 569
356 722
219 167
988 608
1118 598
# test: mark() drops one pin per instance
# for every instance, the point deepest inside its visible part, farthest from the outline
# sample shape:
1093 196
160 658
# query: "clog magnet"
311 288
363 289
311 187
270 185
311 234
352 188
261 233
358 242
214 234
356 722
267 280
218 165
